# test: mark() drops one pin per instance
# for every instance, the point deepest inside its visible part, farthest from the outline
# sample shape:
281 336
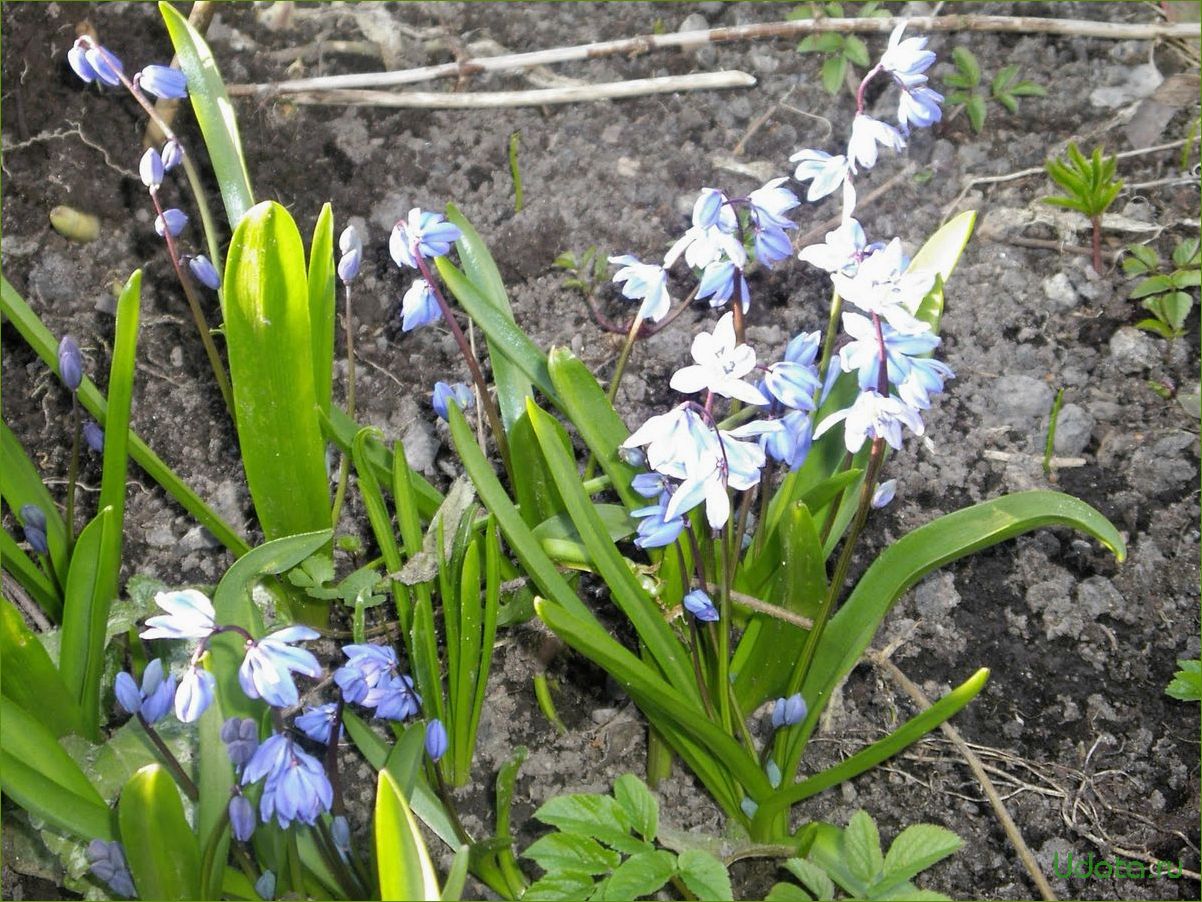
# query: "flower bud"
242 817
70 363
77 59
164 82
884 493
170 222
351 246
436 739
789 711
204 272
93 435
151 169
458 394
104 64
37 540
32 515
340 832
698 604
173 155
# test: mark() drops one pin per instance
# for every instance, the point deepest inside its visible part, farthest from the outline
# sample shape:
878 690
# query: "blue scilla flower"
318 722
196 690
173 154
841 251
824 172
647 282
884 284
770 203
674 440
720 281
419 306
153 699
150 168
863 353
649 485
189 616
883 493
803 348
241 738
33 522
436 739
866 134
656 529
242 817
163 82
919 106
925 378
421 234
873 416
295 786
267 669
772 244
92 62
93 436
792 384
720 363
366 665
712 210
699 604
791 443
394 698
204 272
106 861
458 394
70 363
789 711
170 222
351 247
907 60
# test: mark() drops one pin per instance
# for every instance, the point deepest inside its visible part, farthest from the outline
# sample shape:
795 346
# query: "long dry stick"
978 770
477 100
691 39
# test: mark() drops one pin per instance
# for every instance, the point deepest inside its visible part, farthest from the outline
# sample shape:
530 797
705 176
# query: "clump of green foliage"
1005 89
1089 187
1162 292
843 52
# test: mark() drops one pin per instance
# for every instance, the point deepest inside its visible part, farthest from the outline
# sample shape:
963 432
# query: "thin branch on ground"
1120 31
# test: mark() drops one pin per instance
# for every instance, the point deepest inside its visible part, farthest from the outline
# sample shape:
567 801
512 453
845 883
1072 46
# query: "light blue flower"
394 698
770 203
318 722
863 353
789 711
153 699
712 210
242 817
866 133
365 666
267 669
883 284
33 523
170 222
649 485
720 365
93 435
655 529
70 363
792 384
719 282
419 306
791 443
925 378
645 281
458 394
204 272
189 616
163 81
883 493
827 172
698 604
106 861
195 694
150 168
919 106
803 347
295 786
92 62
907 59
436 739
241 738
421 234
841 251
351 247
772 244
674 440
173 154
873 416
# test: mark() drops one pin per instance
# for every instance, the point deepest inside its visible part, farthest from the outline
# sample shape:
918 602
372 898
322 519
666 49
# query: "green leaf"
1187 253
1007 101
214 113
90 588
640 805
320 279
31 679
787 892
1028 89
1155 325
917 848
561 886
976 112
812 877
640 875
856 50
861 848
1186 278
159 845
452 890
1004 76
834 70
596 816
513 385
1155 285
571 852
21 484
1186 685
271 368
704 875
966 63
823 42
39 776
1176 308
402 863
1140 258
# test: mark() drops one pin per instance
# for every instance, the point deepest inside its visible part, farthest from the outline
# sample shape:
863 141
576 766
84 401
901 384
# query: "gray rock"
1137 83
1097 596
1018 400
1060 292
1132 350
197 539
1074 428
1160 469
160 537
936 596
421 446
764 62
693 22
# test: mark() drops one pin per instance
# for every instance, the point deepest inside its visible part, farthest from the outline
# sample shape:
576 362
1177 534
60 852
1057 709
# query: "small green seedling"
604 847
1187 682
852 859
1005 89
1089 187
843 52
1164 294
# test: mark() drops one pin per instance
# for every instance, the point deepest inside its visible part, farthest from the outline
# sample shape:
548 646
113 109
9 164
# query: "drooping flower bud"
93 435
351 246
173 155
164 82
436 739
151 169
698 604
32 515
204 272
70 363
170 222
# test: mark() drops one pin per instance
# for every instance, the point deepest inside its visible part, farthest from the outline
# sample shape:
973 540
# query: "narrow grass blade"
91 587
321 306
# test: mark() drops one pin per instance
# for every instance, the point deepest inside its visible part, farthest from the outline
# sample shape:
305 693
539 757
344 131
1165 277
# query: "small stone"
693 22
160 537
936 596
1060 292
602 716
1132 350
1019 399
421 446
1097 596
1074 428
1139 82
197 539
764 62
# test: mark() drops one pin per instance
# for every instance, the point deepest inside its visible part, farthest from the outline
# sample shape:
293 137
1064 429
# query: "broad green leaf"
856 50
966 62
597 816
917 848
31 679
561 886
1140 258
617 521
940 254
812 877
1155 285
640 875
823 42
271 369
45 345
402 862
513 385
1186 278
214 113
321 306
834 69
1187 253
1155 325
704 875
21 484
829 852
31 577
91 586
571 852
640 805
787 892
159 846
1004 76
533 488
39 776
1186 685
861 848
1176 308
1007 101
976 112
452 890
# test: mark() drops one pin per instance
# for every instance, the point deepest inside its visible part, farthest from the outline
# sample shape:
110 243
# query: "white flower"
840 252
883 285
827 172
645 281
720 365
866 133
873 416
907 60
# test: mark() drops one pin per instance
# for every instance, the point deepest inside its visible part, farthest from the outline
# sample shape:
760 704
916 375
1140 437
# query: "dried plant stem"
978 771
1119 31
480 100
